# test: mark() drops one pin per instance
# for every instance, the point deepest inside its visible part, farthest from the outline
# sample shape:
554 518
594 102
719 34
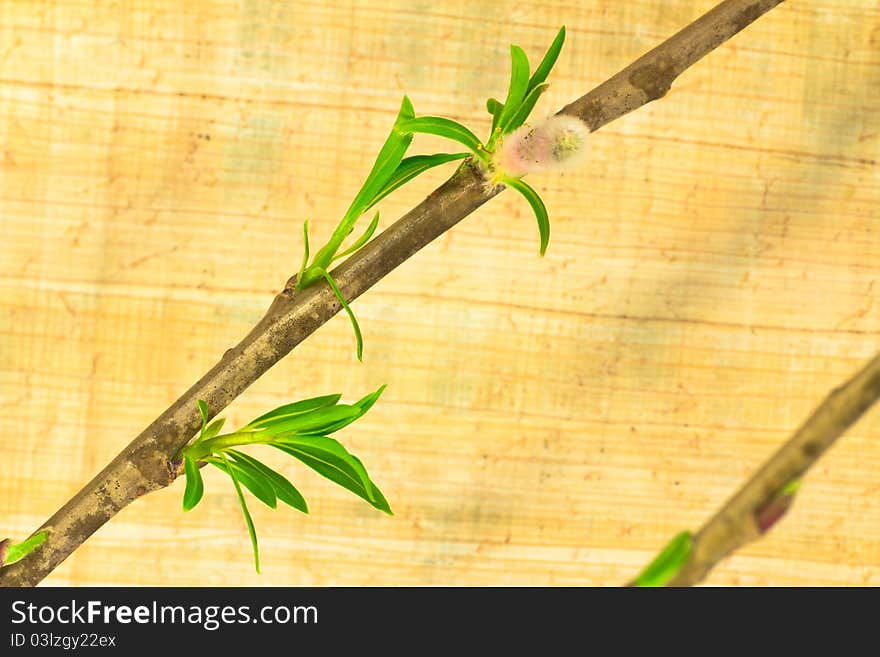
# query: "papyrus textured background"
713 272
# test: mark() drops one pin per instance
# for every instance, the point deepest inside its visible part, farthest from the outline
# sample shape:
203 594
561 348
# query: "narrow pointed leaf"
314 420
525 109
295 408
358 338
519 82
331 452
373 496
21 550
665 566
203 411
387 161
247 516
378 500
305 260
248 478
284 490
389 158
195 487
495 108
413 166
213 429
442 127
537 205
549 60
363 239
364 405
366 402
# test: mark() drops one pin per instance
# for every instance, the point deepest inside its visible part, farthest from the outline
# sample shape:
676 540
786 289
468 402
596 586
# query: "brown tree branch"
764 499
144 465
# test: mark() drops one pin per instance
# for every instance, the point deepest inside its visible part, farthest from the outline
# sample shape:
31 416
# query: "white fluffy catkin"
558 142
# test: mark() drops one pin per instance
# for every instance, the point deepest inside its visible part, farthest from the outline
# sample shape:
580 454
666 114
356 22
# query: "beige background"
712 272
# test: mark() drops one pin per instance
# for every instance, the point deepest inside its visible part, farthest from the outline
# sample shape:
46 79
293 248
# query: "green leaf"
389 158
525 109
549 60
203 411
363 239
329 451
358 338
519 82
285 490
21 550
305 260
251 480
411 167
195 487
213 429
494 107
442 127
537 205
364 405
665 566
244 510
326 466
314 420
296 408
366 402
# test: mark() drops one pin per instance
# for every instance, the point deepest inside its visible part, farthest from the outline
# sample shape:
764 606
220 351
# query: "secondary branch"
764 499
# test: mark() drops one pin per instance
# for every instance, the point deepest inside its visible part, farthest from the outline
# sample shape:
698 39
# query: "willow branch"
763 500
145 464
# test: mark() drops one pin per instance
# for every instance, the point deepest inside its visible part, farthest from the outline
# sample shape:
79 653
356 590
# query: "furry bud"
559 142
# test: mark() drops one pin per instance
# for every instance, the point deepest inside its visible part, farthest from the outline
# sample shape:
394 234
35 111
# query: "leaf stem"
200 450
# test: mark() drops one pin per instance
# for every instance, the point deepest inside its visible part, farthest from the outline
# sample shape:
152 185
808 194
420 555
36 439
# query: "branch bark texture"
145 464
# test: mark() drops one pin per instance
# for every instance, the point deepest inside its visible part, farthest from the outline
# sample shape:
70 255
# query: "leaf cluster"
391 169
300 430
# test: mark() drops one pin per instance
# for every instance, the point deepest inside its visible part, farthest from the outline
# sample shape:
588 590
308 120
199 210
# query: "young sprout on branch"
512 150
11 552
679 551
667 564
301 430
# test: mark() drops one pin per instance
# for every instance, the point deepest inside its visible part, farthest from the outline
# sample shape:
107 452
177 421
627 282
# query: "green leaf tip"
17 551
305 260
203 411
519 83
252 532
538 208
358 338
667 564
330 459
407 111
548 61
